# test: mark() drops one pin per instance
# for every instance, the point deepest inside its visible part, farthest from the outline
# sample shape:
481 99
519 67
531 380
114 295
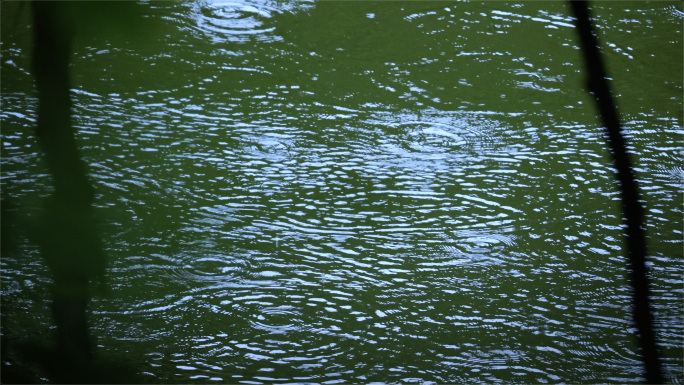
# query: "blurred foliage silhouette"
66 233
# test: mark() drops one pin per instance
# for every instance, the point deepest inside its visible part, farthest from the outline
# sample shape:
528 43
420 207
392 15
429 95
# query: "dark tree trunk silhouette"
633 212
66 235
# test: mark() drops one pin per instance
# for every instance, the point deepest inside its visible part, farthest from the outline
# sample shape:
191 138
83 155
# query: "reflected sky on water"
342 192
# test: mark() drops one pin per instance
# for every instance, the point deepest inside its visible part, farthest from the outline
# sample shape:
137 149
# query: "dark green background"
358 191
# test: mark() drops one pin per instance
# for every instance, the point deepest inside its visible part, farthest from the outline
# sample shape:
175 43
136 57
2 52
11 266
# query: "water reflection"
357 192
237 21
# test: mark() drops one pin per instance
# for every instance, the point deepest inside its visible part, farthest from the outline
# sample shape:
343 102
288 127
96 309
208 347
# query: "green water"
340 192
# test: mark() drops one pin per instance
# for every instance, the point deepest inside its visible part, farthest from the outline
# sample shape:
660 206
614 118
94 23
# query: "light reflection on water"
421 198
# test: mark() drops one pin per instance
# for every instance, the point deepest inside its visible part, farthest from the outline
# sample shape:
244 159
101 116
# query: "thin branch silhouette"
633 212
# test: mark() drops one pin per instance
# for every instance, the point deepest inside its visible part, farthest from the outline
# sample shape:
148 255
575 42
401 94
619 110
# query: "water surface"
343 192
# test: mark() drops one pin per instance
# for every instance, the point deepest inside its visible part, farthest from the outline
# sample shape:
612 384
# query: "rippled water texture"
343 192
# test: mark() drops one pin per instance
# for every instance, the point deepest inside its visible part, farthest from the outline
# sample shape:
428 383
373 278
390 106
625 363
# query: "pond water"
340 192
